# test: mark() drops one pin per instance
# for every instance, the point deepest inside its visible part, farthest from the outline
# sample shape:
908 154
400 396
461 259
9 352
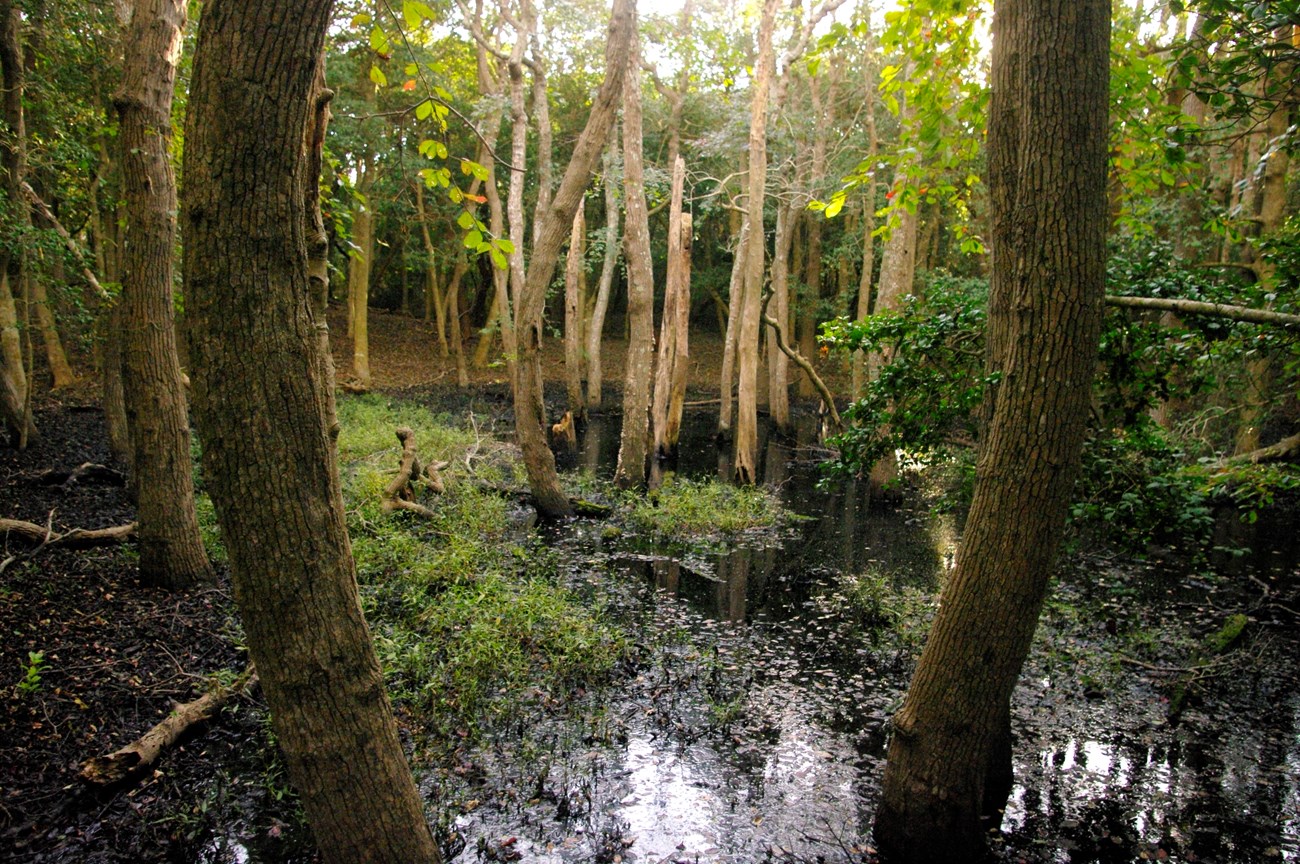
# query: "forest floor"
91 659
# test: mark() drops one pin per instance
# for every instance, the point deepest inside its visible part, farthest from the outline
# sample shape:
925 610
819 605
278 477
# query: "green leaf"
465 221
837 204
423 111
476 169
506 246
455 195
473 239
428 148
441 93
498 259
379 41
410 69
361 19
378 77
416 13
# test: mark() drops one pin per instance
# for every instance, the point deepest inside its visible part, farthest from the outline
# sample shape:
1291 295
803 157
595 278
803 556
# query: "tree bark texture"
530 412
949 758
171 548
264 405
605 286
735 292
634 440
897 273
746 458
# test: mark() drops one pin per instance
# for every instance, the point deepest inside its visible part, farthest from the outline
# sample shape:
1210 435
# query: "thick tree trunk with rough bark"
634 441
171 548
264 403
596 326
746 452
13 164
950 757
530 412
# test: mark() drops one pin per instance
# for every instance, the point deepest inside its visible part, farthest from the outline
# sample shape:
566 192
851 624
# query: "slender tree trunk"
897 273
812 275
868 230
530 411
575 301
359 268
634 441
171 549
265 409
671 360
596 327
950 756
746 461
735 297
60 369
432 292
778 365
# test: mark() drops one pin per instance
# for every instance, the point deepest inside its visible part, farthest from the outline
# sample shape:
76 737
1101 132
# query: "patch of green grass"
468 622
209 530
685 509
368 424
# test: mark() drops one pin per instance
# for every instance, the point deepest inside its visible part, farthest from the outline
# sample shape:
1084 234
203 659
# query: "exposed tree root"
400 494
133 760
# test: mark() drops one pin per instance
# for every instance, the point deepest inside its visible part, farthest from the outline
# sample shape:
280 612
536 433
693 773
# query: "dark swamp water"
752 725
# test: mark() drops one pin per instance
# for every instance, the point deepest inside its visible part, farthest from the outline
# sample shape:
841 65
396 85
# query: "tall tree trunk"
812 275
359 268
432 292
897 273
596 326
746 462
634 441
17 424
670 366
13 163
868 232
735 296
55 356
171 549
265 410
778 365
950 756
530 411
575 290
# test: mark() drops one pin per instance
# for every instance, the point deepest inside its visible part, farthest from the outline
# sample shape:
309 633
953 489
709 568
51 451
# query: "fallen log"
133 760
400 493
92 471
581 506
77 538
1278 452
1196 307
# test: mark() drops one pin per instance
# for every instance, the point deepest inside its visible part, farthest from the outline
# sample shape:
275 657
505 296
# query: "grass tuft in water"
685 509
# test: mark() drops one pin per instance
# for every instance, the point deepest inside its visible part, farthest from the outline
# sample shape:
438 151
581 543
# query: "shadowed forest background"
728 432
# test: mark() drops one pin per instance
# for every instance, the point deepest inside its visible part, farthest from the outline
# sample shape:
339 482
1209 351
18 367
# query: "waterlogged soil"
748 722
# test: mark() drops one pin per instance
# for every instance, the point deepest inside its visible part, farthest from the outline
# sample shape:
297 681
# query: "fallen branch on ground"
77 538
133 760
